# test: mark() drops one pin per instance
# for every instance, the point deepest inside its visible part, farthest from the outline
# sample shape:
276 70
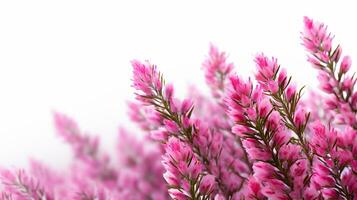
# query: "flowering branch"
333 75
284 98
330 164
217 72
85 149
22 186
263 137
153 91
184 173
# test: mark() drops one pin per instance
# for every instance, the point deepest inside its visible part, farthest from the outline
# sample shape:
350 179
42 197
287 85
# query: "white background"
73 56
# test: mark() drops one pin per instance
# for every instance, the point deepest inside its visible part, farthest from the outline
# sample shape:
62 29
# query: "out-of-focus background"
73 56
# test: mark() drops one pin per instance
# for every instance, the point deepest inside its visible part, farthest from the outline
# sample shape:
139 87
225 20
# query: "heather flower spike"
264 138
217 70
284 98
333 73
250 138
184 173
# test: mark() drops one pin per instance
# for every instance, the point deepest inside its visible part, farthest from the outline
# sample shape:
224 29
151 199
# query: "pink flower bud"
343 156
239 130
264 107
282 78
299 169
326 44
175 105
273 86
332 103
252 115
337 54
345 64
160 135
300 117
309 24
290 92
186 106
186 122
315 63
281 138
263 170
330 194
207 184
254 185
171 126
348 83
169 90
323 56
273 120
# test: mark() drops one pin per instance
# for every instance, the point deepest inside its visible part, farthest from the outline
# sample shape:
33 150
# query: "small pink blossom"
345 64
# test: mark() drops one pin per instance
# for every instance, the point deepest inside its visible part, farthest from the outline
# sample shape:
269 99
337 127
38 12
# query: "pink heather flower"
254 189
145 117
141 168
348 140
290 153
267 70
300 117
266 67
146 79
240 130
264 107
273 122
322 175
22 186
160 134
256 151
51 181
290 92
206 144
283 97
345 64
282 78
207 184
349 180
265 137
299 172
334 82
322 140
263 171
217 70
183 170
92 162
348 83
281 138
231 162
171 126
228 166
240 99
169 91
315 37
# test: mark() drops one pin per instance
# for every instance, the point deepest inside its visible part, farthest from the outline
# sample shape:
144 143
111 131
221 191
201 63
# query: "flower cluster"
250 138
334 78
